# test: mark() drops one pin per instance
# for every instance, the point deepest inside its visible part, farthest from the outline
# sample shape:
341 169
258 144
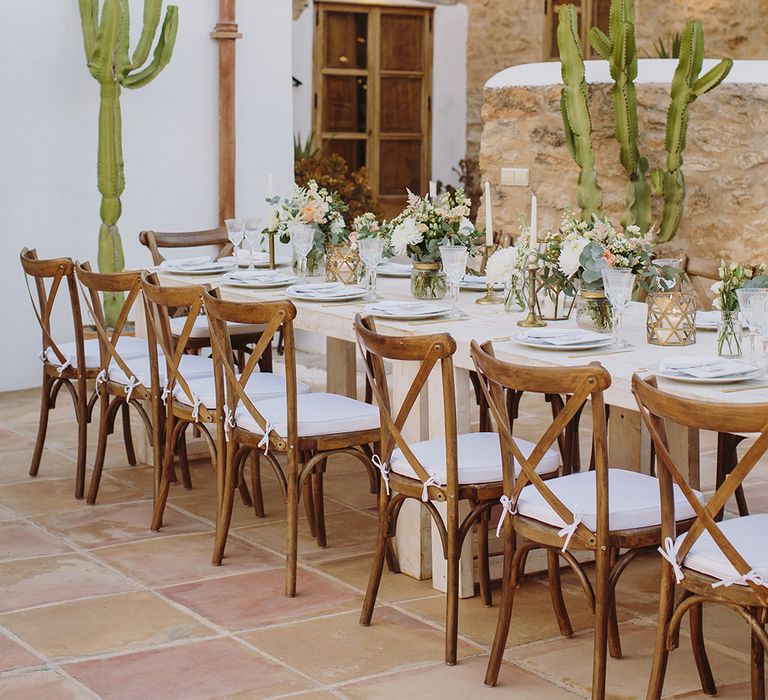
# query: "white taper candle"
488 215
534 240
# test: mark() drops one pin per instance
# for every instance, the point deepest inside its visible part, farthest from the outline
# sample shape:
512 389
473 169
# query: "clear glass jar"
428 281
593 311
729 333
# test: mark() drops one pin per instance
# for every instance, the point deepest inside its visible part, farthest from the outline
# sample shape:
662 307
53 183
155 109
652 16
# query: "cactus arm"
122 61
89 19
570 138
152 10
163 51
600 43
713 78
101 64
575 108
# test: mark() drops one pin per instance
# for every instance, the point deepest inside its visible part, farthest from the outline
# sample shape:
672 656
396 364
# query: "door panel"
401 105
346 40
399 167
344 103
351 150
401 42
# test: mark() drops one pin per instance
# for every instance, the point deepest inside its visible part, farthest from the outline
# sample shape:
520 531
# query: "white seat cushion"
261 386
190 366
746 534
633 500
200 327
318 414
128 348
479 459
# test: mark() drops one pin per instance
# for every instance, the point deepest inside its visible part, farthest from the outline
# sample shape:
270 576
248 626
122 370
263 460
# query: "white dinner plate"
394 269
216 267
542 344
260 260
266 281
707 320
688 379
333 291
406 310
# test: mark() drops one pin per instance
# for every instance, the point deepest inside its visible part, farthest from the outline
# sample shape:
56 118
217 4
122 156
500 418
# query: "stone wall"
725 162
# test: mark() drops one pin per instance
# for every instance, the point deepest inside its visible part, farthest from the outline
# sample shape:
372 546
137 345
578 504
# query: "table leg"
341 358
685 449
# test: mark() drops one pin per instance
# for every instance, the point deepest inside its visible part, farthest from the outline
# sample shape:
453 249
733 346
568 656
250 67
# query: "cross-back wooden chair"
713 562
446 470
193 401
603 511
64 363
243 338
306 428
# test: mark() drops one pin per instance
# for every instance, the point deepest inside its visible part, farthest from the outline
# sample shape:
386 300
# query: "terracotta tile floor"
92 604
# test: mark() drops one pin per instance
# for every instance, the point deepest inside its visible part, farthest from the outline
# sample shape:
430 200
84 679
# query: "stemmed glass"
302 238
253 237
455 266
235 233
618 284
371 251
753 304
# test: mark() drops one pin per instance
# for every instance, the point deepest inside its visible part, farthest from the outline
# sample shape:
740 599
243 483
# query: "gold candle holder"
671 319
532 320
272 264
490 296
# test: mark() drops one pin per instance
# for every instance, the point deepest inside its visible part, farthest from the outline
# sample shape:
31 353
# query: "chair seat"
128 347
260 387
200 327
479 459
318 414
633 500
746 534
190 366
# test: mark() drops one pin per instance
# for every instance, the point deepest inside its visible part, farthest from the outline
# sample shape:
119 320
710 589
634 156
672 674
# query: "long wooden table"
628 445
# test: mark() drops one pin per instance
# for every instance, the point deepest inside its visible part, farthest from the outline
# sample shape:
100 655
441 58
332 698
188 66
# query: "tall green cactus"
574 105
686 87
107 51
620 51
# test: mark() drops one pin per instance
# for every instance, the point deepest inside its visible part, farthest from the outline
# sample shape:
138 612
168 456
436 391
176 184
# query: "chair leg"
309 505
614 641
82 439
165 477
101 449
186 477
42 428
505 614
695 619
318 503
380 554
257 495
291 549
227 501
556 593
128 436
757 667
602 614
483 564
661 652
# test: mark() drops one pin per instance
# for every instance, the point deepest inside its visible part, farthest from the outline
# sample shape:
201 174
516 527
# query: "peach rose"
308 213
609 258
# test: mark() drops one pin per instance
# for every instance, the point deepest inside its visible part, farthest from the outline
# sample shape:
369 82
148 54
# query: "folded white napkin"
396 266
258 276
189 263
707 318
564 336
705 367
322 289
401 308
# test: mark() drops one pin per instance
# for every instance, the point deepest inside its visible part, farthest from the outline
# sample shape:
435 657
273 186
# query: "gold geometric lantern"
671 319
342 264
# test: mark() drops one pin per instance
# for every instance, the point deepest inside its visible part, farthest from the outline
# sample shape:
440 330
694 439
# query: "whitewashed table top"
492 322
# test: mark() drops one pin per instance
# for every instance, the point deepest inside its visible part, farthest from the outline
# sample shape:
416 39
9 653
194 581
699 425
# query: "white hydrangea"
569 255
406 233
503 264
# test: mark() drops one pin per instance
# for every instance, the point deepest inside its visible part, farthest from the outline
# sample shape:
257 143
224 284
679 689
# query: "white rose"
465 225
337 226
502 265
569 255
406 233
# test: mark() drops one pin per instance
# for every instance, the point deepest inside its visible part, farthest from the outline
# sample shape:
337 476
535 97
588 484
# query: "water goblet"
749 306
235 233
253 236
618 284
371 251
302 238
454 259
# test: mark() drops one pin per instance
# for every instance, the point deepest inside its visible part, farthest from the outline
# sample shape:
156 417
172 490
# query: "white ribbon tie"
569 530
669 552
506 508
129 387
60 369
196 403
101 377
43 354
383 467
425 489
750 577
229 422
264 442
166 393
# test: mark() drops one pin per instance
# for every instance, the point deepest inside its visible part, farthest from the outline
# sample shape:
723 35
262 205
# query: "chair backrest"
274 315
127 283
158 301
48 276
432 353
155 240
580 384
702 272
656 407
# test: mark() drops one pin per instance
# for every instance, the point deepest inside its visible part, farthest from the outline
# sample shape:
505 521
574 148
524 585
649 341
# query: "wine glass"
253 237
454 259
618 284
235 233
753 303
302 238
371 251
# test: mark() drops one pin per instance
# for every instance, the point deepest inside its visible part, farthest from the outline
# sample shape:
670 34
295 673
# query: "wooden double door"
372 94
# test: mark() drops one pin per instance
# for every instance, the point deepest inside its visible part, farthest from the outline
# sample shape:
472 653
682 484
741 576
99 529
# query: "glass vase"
428 281
315 263
729 334
593 311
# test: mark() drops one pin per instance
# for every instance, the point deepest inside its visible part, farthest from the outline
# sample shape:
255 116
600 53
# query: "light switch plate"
514 177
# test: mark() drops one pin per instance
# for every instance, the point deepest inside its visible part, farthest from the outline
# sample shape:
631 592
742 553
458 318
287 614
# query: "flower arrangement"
732 277
580 250
507 265
426 224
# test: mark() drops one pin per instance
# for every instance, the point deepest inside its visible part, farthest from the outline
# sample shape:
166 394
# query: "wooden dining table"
418 546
